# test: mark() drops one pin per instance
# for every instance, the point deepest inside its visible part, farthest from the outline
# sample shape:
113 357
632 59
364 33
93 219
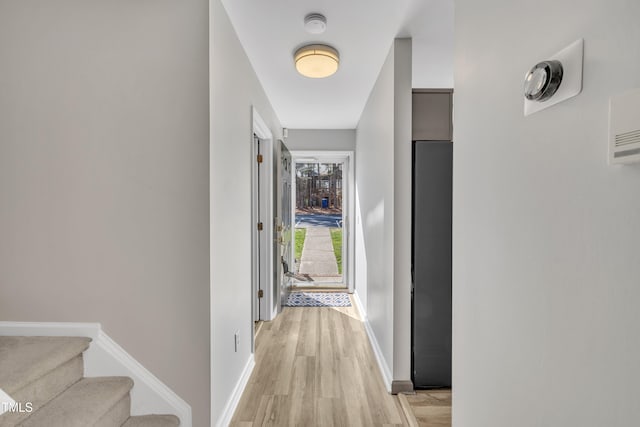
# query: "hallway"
314 366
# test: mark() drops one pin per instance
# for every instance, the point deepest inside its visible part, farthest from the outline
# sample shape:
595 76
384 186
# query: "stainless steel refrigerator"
431 263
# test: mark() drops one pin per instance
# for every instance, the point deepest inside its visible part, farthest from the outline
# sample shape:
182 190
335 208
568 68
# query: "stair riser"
117 415
44 389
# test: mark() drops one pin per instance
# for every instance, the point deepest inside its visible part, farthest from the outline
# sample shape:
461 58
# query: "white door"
285 228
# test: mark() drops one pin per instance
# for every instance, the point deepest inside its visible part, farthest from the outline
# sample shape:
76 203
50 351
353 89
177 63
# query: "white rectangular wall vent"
624 128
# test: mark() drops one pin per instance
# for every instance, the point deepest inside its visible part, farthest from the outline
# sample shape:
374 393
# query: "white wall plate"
571 58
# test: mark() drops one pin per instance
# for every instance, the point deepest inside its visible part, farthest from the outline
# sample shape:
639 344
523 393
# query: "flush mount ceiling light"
317 61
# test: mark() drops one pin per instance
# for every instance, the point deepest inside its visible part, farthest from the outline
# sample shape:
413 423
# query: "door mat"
318 299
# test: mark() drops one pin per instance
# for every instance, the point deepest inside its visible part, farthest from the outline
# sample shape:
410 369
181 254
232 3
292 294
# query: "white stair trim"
387 378
234 399
106 358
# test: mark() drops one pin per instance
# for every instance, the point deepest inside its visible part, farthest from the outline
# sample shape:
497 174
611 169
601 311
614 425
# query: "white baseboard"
106 358
359 306
377 351
234 399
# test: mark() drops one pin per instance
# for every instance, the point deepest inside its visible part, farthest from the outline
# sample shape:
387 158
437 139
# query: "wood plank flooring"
428 408
315 367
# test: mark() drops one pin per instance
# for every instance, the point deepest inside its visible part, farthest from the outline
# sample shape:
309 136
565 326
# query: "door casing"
348 175
262 249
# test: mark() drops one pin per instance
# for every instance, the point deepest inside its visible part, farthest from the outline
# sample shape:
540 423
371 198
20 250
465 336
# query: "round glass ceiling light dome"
317 61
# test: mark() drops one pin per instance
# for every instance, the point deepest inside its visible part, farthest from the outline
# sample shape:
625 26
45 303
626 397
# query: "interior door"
286 226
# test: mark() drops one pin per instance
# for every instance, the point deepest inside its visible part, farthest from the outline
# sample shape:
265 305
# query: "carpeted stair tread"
45 388
117 415
83 404
25 359
153 421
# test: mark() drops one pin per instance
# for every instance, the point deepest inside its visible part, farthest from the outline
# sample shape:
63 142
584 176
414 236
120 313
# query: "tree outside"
319 187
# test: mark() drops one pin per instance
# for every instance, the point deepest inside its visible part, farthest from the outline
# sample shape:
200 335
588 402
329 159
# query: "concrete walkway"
318 258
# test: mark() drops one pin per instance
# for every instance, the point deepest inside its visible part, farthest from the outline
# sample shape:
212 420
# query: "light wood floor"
428 408
315 367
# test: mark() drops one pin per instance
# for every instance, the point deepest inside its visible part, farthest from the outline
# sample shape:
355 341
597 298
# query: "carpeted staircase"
49 373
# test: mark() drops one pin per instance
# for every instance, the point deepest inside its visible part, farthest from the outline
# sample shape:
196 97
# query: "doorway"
261 221
321 206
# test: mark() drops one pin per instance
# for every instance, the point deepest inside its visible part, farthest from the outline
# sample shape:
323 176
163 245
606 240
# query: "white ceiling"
361 30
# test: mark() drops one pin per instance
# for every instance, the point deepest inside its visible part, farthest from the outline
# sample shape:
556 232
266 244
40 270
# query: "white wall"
321 139
234 89
383 154
402 183
374 209
103 177
546 234
430 25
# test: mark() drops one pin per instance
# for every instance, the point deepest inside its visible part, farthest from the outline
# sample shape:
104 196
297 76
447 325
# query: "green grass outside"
336 239
300 235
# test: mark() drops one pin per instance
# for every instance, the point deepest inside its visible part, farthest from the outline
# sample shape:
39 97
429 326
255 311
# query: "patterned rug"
318 299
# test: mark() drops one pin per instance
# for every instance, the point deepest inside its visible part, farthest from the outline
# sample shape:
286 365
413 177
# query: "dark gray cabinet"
432 115
431 299
431 242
